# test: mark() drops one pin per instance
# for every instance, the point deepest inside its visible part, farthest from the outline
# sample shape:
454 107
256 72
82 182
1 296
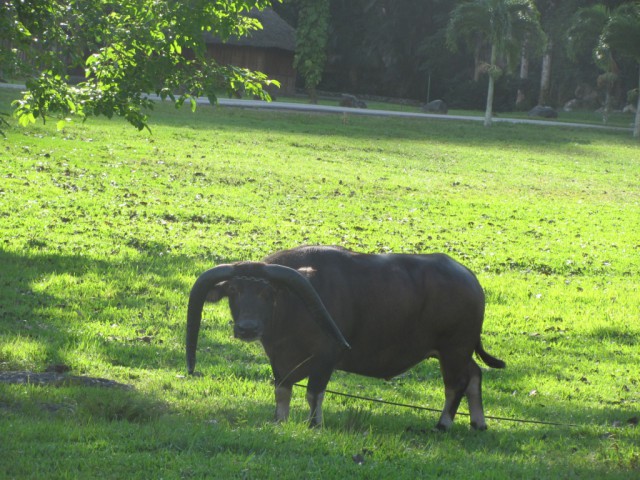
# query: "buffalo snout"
248 330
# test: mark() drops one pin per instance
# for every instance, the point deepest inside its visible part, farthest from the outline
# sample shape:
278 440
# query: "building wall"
276 63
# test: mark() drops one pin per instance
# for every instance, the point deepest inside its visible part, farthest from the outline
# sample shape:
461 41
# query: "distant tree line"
399 48
475 54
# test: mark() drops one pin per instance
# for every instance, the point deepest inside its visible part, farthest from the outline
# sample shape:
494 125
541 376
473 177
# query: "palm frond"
467 22
585 28
503 23
622 32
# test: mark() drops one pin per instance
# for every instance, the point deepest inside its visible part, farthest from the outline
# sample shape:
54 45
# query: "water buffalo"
317 309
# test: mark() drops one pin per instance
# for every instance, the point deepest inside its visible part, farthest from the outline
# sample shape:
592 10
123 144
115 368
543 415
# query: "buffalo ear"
217 293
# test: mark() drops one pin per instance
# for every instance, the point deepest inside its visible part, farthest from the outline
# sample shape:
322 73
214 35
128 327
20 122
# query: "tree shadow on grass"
462 133
243 121
245 433
54 324
400 438
51 319
385 443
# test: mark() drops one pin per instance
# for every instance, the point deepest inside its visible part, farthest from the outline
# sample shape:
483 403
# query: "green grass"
104 229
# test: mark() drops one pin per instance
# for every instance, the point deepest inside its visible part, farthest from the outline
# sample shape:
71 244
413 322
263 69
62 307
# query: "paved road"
306 107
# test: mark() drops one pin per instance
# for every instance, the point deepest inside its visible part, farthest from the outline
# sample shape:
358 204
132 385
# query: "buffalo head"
251 288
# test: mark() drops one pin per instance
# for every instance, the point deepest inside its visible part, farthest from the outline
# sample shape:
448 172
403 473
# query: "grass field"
103 230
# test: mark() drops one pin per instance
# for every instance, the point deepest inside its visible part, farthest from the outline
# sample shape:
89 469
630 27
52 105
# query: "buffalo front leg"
283 400
315 400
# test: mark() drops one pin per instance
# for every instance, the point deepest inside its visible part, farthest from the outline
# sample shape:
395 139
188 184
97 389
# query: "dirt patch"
58 380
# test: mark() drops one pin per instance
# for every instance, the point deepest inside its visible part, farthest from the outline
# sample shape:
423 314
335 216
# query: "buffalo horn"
305 291
197 297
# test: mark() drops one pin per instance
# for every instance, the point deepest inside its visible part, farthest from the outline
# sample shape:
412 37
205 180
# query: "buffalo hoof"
312 424
481 428
441 427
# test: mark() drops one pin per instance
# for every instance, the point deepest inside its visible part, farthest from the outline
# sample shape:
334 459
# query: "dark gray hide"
393 310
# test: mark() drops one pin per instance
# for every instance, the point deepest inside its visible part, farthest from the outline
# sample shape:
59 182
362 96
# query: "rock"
629 108
435 106
542 111
351 101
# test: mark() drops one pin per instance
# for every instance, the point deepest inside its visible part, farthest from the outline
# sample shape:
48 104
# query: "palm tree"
554 16
504 25
621 35
583 35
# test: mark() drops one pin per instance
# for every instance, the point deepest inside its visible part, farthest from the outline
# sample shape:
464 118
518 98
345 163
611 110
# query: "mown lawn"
103 230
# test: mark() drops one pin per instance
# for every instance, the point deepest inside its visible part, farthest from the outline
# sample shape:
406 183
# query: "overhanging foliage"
122 52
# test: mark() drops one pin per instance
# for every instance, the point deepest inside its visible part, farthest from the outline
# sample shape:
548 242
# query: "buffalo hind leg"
452 398
474 397
456 380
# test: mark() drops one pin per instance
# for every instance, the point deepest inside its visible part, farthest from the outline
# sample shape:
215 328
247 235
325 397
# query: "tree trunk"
313 95
606 109
545 75
488 114
477 61
524 75
636 127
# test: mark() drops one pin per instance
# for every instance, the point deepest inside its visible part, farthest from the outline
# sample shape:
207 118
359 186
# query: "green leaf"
128 50
176 48
25 118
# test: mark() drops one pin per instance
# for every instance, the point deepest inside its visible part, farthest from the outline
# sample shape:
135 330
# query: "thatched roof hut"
269 50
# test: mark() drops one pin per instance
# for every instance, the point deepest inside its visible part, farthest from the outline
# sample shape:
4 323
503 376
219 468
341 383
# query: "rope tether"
418 407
